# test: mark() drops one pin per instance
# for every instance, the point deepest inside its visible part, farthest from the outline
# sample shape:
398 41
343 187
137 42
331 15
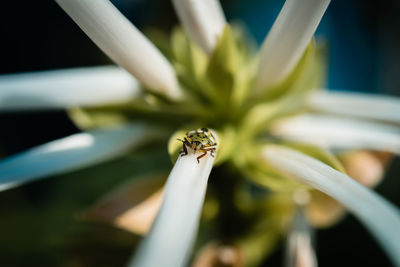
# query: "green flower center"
219 94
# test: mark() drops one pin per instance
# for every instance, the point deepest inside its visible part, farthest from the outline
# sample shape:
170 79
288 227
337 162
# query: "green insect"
201 140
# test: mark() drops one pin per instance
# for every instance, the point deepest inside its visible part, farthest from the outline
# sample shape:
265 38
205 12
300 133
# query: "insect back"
201 140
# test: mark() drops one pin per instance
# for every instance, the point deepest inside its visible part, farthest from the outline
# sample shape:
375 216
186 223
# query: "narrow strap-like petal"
378 215
202 20
66 88
300 250
288 39
123 43
339 133
171 237
68 154
371 106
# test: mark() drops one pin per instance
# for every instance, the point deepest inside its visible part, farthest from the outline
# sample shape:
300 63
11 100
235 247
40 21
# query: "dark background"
363 37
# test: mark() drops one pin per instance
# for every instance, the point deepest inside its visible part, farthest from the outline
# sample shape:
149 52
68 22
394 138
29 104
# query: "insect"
201 140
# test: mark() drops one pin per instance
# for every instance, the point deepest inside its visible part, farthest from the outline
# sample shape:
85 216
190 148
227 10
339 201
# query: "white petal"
288 39
202 20
339 133
170 240
300 251
378 215
66 88
362 105
69 153
6 186
123 43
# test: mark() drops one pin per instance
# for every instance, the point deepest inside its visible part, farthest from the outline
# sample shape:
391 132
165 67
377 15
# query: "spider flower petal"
171 237
132 206
300 248
123 43
68 154
377 107
339 133
66 88
379 216
202 20
288 39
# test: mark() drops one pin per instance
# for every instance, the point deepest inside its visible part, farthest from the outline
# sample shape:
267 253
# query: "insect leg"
212 152
184 151
199 157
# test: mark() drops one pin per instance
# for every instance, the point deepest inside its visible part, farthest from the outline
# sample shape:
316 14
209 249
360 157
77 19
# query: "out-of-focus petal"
132 207
324 211
288 39
300 251
70 153
365 167
339 133
379 216
66 88
368 168
124 44
216 254
378 107
202 20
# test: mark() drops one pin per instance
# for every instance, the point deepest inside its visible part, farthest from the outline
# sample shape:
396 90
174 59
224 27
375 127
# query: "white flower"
171 237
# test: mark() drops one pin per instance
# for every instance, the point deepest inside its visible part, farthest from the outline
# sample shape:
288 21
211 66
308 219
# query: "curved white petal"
288 39
202 20
339 133
66 88
171 237
69 153
378 107
123 43
378 215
